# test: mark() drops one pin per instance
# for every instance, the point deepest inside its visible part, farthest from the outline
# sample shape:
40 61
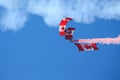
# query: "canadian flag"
86 47
62 26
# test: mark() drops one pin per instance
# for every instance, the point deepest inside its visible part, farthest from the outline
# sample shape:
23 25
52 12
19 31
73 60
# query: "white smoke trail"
100 40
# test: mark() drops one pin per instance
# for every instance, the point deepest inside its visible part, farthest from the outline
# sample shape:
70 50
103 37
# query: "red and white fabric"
62 26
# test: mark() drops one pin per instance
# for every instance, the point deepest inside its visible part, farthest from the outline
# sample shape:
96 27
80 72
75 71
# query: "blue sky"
35 51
